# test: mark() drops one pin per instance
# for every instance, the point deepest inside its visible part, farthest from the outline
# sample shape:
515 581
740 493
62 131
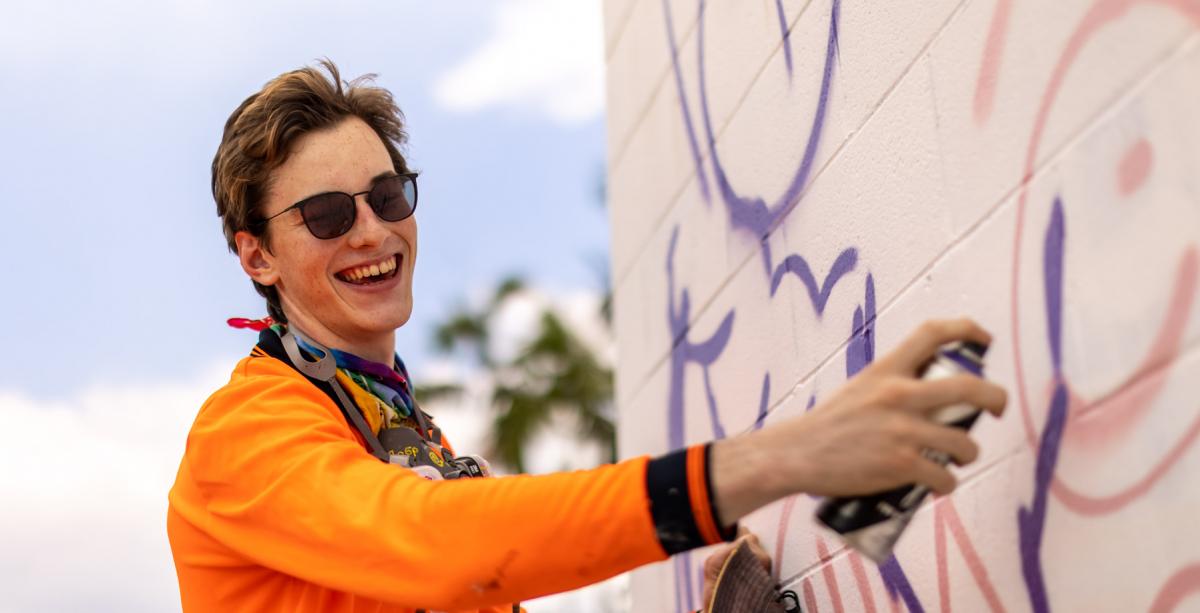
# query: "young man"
312 482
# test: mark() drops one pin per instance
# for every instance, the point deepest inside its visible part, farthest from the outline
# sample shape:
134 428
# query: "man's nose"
368 229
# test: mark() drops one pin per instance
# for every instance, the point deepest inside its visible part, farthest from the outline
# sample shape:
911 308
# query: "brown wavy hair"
259 135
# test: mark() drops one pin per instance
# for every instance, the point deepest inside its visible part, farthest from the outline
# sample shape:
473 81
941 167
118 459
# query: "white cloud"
84 482
581 312
546 55
518 321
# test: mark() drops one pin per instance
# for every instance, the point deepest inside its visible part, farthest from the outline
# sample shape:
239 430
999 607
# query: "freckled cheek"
311 270
305 285
316 278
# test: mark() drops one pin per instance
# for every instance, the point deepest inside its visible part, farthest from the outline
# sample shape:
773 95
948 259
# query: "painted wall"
794 185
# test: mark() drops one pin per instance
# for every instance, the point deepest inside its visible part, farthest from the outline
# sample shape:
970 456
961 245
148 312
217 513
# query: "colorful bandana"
382 393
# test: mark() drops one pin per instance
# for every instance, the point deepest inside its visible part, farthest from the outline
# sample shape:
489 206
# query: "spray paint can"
872 524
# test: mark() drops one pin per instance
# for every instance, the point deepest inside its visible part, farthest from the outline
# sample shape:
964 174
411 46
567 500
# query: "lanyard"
324 368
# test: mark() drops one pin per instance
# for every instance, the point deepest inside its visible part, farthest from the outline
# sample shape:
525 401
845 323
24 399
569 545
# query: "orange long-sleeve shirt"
277 506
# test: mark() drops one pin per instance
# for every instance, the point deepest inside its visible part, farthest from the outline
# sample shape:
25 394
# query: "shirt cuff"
680 492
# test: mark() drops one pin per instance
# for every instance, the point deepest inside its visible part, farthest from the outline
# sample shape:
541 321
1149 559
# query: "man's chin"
383 322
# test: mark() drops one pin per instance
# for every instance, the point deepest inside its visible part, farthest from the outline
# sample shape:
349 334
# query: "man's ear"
258 263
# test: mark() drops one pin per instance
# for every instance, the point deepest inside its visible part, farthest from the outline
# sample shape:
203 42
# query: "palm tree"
553 373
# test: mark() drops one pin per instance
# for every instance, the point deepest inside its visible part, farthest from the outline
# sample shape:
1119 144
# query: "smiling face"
350 292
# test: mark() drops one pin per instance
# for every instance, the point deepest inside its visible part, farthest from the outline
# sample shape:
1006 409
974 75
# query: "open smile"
371 273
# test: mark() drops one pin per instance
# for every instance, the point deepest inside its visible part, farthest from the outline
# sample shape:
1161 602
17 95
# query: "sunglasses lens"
329 215
394 198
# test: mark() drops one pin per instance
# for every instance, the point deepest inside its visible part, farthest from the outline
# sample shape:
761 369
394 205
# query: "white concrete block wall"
786 206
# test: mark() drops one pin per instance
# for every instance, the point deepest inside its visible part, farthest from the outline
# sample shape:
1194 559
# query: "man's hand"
866 438
715 562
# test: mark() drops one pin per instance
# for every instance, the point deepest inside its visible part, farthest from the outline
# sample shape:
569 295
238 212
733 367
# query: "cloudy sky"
118 281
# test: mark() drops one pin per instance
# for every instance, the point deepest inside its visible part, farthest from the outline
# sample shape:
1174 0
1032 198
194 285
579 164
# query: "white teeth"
373 270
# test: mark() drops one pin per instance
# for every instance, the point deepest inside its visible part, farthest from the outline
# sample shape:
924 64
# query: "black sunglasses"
332 214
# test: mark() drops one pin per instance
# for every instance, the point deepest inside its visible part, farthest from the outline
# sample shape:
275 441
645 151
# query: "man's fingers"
927 396
756 548
933 476
764 559
921 345
946 439
712 565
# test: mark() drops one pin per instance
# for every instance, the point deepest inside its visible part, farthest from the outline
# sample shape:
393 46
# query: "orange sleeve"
697 476
274 473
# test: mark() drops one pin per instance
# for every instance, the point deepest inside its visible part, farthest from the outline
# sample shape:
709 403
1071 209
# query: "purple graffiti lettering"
787 43
694 146
796 265
718 429
860 351
684 587
684 352
752 214
897 585
763 399
684 599
1052 268
1031 521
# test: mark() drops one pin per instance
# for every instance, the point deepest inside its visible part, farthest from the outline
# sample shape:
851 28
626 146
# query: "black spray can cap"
979 349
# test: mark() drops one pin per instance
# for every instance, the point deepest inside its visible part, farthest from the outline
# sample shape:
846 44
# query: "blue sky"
112 112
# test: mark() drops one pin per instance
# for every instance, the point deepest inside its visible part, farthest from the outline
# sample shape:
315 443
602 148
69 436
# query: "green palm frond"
519 419
437 391
509 286
553 372
462 327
